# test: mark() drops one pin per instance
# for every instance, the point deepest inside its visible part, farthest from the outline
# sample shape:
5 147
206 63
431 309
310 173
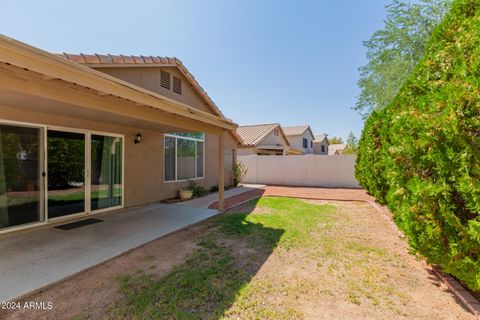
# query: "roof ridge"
105 59
300 125
259 124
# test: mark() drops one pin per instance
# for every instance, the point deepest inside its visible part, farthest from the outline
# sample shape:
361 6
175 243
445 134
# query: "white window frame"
169 135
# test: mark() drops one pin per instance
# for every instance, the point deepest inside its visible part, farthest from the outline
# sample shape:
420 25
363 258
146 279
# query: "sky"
291 62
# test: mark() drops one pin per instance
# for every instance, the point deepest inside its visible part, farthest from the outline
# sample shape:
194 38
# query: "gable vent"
165 79
177 85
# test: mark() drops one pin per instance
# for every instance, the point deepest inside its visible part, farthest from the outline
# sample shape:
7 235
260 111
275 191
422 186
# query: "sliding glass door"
20 175
48 173
66 173
107 168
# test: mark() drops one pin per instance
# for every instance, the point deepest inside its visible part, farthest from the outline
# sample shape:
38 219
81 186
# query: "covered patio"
51 107
32 260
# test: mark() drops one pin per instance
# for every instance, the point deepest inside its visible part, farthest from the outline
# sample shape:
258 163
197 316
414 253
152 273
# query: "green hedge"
421 155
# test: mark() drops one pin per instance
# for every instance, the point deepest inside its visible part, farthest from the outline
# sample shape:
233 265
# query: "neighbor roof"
252 135
297 130
336 147
98 60
320 138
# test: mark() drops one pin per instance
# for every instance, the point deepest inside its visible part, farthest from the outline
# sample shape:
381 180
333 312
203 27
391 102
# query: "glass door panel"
20 167
66 173
106 167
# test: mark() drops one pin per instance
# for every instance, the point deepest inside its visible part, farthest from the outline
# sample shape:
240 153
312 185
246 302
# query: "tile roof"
296 130
254 134
93 60
336 147
319 137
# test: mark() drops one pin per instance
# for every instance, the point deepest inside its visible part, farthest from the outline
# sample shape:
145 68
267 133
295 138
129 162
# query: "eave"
52 67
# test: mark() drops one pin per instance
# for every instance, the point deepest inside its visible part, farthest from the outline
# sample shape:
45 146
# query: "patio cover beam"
53 67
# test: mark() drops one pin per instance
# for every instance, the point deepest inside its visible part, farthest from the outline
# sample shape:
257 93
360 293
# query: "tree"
335 140
420 155
352 144
393 52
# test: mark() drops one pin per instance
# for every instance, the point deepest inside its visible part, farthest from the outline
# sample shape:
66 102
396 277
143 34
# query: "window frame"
176 137
231 156
305 143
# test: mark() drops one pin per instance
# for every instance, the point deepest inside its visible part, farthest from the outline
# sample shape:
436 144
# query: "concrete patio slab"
35 259
207 201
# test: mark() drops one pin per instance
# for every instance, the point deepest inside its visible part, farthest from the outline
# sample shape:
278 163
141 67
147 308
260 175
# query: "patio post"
221 172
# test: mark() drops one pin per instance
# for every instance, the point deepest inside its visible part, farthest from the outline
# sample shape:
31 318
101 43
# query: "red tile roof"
253 134
92 60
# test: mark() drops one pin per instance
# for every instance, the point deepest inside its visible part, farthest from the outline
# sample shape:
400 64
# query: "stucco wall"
149 78
317 147
297 142
245 151
272 140
304 170
144 176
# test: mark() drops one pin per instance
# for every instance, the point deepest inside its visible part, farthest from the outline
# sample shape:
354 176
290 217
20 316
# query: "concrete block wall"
302 170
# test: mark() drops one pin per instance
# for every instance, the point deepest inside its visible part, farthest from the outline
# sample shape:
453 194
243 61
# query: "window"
184 156
228 159
165 79
322 148
177 85
305 143
311 144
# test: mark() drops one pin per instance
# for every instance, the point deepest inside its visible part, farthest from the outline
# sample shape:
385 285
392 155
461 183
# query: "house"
262 139
300 138
320 144
83 134
336 149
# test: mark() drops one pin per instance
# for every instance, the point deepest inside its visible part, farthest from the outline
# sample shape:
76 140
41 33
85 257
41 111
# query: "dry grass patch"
273 258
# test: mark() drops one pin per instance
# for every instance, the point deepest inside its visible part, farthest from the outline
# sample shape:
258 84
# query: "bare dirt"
366 273
89 294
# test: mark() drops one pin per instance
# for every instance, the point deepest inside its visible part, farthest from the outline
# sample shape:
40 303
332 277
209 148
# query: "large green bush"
421 155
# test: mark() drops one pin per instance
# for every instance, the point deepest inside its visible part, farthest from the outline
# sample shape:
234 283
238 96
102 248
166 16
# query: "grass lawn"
276 258
273 258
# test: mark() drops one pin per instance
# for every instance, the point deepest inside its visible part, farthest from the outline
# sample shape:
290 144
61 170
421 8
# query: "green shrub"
239 171
197 190
421 155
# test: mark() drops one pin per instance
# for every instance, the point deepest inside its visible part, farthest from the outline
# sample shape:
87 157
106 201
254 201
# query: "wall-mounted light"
138 138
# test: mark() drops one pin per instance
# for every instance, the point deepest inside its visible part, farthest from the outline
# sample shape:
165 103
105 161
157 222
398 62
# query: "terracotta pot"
186 194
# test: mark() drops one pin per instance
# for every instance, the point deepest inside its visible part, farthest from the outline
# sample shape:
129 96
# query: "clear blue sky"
292 62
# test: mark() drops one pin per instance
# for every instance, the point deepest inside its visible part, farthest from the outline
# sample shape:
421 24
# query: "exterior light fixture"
138 138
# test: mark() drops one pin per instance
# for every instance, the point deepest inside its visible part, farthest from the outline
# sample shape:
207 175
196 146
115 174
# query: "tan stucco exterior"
271 145
317 146
296 142
149 78
39 88
144 176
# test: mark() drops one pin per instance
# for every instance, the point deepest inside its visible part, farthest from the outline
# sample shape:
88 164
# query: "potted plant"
185 194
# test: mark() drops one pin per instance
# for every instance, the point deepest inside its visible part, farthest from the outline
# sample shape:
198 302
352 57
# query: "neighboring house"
320 144
82 134
300 138
262 139
336 149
